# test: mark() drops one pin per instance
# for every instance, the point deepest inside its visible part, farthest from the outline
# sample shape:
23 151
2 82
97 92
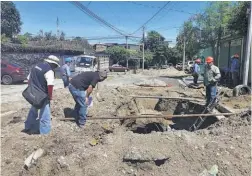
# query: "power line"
96 17
149 6
152 17
89 3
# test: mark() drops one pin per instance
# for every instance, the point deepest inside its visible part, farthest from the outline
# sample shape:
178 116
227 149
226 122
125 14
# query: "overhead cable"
152 17
149 6
96 17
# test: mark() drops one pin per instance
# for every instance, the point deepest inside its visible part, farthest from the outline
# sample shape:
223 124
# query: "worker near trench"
234 69
211 77
81 86
65 72
42 78
196 71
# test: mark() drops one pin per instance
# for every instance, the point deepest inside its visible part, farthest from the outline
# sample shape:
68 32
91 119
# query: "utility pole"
127 49
248 47
57 23
143 46
183 68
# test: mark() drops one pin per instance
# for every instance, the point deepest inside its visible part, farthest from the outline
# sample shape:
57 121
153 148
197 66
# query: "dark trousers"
235 78
195 78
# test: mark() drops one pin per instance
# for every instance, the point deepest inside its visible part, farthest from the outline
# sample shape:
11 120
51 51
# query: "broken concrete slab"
32 158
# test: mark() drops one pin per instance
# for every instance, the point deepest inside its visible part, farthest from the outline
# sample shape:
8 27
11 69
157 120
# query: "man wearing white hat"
42 77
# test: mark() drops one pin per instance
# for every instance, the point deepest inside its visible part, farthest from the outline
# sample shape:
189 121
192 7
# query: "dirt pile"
114 148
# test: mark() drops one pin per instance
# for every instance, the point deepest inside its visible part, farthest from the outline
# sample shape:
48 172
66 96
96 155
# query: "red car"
12 73
118 68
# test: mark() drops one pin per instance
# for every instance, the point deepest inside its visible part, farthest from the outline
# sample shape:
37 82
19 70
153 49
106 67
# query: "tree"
28 35
191 35
239 18
50 36
212 22
118 54
22 39
153 40
62 36
10 19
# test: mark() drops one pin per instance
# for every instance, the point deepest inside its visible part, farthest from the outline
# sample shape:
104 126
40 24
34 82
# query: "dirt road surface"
132 147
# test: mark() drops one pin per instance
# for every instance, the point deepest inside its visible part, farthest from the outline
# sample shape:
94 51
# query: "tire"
7 79
241 90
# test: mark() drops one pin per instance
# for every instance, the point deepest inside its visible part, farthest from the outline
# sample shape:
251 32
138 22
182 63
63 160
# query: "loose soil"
116 147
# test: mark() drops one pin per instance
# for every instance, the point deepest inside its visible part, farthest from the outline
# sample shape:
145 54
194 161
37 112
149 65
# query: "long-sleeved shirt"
235 65
211 74
65 70
196 68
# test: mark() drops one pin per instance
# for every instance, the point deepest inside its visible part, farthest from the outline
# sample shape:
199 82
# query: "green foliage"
4 39
22 39
50 36
118 54
239 20
153 40
10 19
62 36
191 35
28 35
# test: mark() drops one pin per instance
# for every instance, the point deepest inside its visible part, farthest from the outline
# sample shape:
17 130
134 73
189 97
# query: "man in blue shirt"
65 72
235 67
196 71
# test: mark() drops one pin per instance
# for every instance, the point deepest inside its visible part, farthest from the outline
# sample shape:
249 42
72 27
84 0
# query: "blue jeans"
211 91
80 106
41 125
65 81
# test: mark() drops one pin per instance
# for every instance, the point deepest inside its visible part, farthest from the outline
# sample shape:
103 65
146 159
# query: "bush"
22 39
4 38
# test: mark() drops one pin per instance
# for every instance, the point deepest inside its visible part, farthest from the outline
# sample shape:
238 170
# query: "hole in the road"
160 162
157 162
165 107
148 128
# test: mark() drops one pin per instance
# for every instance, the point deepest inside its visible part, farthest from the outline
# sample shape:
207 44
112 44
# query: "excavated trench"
162 107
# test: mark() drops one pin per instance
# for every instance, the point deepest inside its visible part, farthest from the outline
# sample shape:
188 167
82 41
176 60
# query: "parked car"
179 66
12 73
189 65
118 68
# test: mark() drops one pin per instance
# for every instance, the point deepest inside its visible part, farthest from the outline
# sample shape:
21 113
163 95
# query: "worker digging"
81 86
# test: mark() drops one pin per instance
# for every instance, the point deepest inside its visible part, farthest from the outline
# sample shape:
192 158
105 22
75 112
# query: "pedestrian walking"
40 89
81 86
211 77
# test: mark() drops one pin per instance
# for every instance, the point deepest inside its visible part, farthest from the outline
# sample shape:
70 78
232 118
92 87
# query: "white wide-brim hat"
53 59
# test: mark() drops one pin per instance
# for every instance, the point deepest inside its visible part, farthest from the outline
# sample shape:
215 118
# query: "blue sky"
125 15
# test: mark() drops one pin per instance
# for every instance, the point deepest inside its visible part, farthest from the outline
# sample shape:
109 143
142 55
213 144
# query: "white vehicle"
86 63
189 65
